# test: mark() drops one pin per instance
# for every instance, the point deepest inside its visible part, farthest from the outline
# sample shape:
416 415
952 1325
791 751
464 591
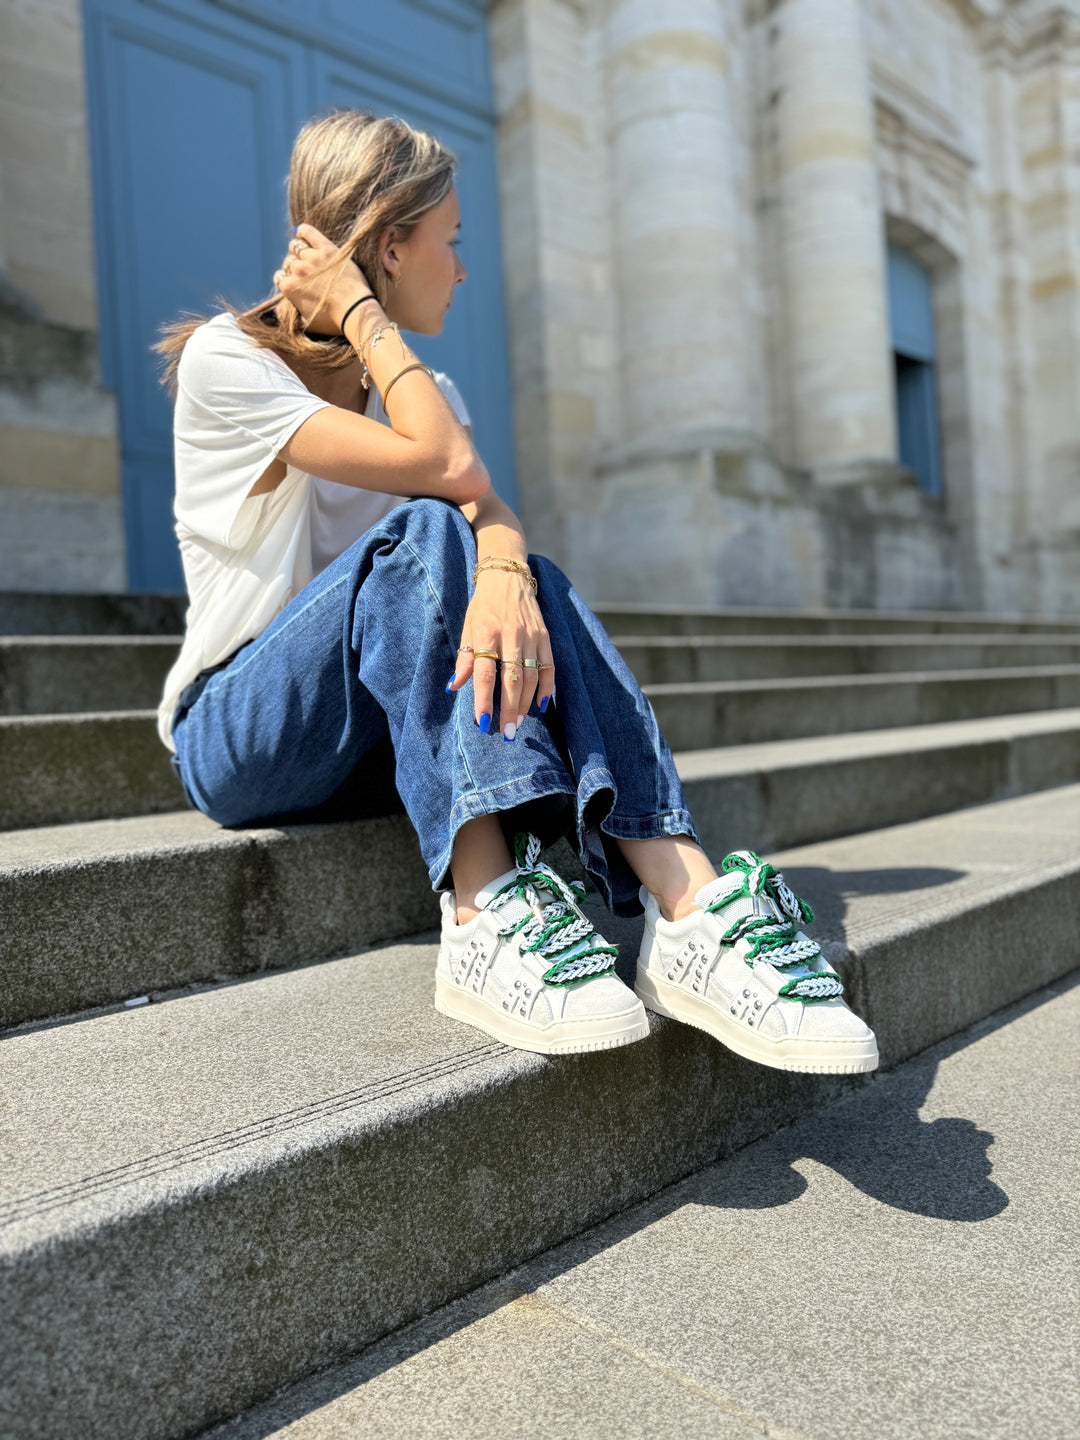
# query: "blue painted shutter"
911 315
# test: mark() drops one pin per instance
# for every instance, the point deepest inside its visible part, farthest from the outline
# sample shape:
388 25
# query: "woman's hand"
302 280
503 616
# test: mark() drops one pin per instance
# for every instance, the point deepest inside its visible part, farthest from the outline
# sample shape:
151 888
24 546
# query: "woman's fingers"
314 238
513 685
483 677
503 675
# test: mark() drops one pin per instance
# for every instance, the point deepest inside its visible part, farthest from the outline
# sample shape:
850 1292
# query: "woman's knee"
432 516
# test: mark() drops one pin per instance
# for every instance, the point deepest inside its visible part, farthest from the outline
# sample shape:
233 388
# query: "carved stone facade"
61 518
696 197
699 316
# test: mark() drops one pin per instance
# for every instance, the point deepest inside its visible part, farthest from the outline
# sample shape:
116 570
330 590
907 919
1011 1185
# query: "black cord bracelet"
351 308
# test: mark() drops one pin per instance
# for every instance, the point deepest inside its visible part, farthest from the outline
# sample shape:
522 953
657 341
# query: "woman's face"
429 267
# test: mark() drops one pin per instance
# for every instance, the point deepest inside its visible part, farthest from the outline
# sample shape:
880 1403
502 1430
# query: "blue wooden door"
193 107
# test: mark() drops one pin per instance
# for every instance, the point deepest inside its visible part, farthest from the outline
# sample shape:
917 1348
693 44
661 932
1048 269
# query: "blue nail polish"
510 738
295 228
450 682
485 723
544 703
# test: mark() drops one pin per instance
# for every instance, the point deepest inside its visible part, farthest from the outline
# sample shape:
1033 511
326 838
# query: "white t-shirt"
245 557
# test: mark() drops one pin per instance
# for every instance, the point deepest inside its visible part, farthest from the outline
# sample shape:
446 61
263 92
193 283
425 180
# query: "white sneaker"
738 968
530 969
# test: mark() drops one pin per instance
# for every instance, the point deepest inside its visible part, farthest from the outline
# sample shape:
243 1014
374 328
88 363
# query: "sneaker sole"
567 1037
826 1057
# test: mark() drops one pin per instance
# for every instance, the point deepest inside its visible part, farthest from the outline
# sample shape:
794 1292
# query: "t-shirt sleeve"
453 394
236 406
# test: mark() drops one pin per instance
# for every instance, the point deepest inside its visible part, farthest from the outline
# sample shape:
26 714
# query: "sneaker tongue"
738 907
512 906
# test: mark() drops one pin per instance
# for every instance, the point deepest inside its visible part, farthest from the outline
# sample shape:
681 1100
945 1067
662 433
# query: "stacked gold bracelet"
492 562
372 340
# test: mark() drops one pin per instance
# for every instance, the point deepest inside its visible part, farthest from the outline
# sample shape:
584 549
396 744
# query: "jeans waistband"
194 689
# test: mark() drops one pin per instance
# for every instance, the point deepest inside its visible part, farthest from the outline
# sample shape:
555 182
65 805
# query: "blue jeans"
338 710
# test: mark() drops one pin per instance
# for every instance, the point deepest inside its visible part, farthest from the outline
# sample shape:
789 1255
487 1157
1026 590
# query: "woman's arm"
424 450
497 529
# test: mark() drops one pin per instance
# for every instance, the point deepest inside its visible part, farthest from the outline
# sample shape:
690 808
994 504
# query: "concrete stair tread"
665 1323
105 1090
102 642
291 1147
855 640
975 618
838 682
104 909
99 841
864 744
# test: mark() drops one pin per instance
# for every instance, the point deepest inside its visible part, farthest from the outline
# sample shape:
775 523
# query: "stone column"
833 248
675 210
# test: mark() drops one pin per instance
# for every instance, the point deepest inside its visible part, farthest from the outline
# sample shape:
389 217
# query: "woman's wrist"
506 565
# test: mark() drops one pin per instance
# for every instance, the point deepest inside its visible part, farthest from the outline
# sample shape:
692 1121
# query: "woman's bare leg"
480 854
673 867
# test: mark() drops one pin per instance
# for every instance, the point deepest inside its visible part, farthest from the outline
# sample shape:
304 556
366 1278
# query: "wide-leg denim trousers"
339 708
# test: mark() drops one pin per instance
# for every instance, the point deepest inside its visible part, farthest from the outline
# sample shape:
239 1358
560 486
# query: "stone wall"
61 520
696 198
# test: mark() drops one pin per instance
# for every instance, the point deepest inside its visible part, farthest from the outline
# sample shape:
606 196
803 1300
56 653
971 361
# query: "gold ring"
460 648
531 664
490 654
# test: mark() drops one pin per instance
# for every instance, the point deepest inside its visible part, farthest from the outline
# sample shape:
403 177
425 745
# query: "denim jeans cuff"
475 803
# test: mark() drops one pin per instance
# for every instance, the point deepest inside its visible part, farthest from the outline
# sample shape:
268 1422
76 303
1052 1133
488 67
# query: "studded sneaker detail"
739 969
530 968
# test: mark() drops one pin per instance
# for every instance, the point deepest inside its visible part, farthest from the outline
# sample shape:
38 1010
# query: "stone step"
58 769
665 1321
744 712
643 618
48 675
61 769
267 1176
102 911
64 675
683 659
31 613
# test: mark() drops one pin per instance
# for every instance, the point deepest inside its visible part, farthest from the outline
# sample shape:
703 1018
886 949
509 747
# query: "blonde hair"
352 175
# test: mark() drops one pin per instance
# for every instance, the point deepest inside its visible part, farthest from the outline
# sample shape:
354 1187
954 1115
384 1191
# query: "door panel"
190 136
193 107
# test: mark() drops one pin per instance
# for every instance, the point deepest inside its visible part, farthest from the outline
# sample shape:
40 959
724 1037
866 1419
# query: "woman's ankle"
466 912
480 855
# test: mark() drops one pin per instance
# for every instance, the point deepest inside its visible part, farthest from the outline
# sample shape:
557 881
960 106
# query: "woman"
342 558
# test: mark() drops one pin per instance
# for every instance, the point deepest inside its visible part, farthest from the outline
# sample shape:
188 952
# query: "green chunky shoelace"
556 926
773 940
